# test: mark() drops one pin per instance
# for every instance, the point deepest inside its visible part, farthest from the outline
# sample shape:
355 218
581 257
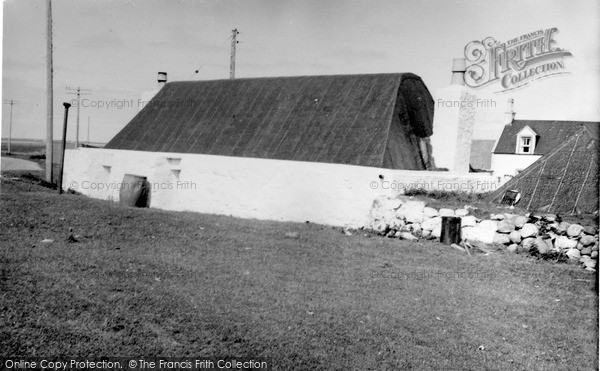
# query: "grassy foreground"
156 283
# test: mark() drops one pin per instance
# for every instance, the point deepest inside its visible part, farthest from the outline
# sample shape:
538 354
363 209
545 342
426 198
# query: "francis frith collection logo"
516 62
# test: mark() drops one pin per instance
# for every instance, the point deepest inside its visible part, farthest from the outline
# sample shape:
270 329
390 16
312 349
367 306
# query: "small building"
305 148
565 179
523 142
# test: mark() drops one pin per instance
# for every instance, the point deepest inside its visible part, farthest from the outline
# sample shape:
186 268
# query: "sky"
115 49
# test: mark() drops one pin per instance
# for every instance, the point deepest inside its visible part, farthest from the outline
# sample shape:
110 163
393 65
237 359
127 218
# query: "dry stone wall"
545 235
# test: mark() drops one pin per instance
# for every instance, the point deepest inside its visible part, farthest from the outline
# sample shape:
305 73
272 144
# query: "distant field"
33 147
156 283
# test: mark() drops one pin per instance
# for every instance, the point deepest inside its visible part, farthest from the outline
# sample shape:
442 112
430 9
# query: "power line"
12 103
79 92
210 57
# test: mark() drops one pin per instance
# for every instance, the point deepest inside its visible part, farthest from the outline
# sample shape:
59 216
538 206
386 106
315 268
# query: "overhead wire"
210 57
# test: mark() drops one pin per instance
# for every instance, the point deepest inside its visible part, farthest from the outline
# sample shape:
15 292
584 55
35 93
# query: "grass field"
142 282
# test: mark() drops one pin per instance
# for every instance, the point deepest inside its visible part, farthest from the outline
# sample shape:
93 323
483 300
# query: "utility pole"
88 131
79 92
12 103
49 92
62 152
234 41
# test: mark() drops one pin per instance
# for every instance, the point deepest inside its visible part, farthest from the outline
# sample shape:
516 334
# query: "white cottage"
523 142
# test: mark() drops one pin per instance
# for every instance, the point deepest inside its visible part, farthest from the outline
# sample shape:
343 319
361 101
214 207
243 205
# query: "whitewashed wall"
506 166
322 193
453 125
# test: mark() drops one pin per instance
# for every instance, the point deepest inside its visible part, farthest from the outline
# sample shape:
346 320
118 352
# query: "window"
526 145
526 141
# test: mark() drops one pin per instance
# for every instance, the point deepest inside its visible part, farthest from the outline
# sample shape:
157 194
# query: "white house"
523 142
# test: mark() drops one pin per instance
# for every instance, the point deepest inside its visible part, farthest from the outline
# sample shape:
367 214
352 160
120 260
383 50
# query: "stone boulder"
497 217
590 263
430 212
573 254
520 221
412 211
586 251
488 224
515 237
564 243
432 223
543 245
407 236
505 226
512 248
461 212
528 243
468 221
562 227
425 233
574 230
590 230
587 240
529 230
480 233
501 239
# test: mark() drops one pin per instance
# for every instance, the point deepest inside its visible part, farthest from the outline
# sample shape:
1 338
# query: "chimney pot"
459 66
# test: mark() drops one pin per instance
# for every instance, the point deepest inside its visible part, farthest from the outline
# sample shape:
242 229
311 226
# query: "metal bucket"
451 232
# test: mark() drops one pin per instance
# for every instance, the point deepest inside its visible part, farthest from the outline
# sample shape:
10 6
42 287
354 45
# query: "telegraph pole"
12 103
79 92
88 131
234 41
49 92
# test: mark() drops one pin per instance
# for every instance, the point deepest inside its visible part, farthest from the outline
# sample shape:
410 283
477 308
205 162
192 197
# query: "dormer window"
526 139
526 144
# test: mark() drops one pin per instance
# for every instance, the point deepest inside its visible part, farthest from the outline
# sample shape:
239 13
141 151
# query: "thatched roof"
481 154
369 120
564 180
551 134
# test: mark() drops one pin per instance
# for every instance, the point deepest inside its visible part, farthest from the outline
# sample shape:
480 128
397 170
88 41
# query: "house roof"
481 154
337 119
565 180
551 134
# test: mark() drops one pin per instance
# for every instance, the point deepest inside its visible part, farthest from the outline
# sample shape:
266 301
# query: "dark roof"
551 134
481 154
564 180
369 120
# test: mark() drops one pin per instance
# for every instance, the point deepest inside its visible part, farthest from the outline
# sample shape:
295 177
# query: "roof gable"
550 134
339 119
526 131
